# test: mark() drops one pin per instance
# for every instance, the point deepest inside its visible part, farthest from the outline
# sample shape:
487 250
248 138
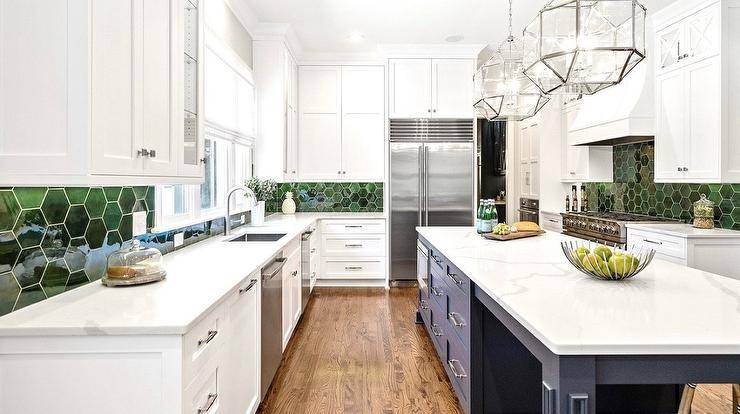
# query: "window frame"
214 131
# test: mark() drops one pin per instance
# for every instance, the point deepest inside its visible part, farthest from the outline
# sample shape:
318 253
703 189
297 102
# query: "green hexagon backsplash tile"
9 210
95 234
9 251
30 228
95 203
77 195
29 296
55 278
30 267
55 206
55 242
9 291
30 197
77 221
332 197
634 168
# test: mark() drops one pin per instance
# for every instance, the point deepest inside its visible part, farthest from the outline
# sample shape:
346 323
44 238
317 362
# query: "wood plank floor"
359 351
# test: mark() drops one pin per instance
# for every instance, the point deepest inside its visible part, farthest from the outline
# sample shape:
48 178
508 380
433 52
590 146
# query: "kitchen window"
229 143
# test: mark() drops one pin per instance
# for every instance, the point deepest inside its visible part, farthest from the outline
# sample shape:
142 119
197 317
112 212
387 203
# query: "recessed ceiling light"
356 37
454 38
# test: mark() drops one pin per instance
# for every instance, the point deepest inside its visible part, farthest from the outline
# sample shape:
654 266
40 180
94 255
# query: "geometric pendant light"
504 91
584 46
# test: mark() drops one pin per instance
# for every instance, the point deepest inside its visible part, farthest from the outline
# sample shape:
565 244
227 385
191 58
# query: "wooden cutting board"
513 236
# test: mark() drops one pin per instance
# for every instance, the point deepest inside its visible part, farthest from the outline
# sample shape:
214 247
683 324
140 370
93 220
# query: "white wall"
222 21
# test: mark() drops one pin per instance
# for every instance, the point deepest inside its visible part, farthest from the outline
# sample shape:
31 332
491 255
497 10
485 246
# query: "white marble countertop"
198 278
666 309
684 230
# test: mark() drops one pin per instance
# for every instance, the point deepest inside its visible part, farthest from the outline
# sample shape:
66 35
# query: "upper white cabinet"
529 157
276 81
582 163
95 92
424 88
341 123
697 96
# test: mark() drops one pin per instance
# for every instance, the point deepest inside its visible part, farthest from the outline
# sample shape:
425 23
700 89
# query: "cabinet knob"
685 168
152 154
679 169
143 152
203 160
434 110
429 111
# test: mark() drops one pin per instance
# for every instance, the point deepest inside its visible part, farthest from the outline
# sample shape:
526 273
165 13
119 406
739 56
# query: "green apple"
581 251
622 264
592 262
603 252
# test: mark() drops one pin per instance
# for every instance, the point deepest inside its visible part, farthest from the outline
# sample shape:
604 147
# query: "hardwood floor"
359 351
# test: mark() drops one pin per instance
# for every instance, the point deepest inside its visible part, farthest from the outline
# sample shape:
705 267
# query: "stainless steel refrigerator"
431 183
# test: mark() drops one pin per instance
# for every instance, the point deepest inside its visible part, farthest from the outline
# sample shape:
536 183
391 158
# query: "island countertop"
666 309
198 278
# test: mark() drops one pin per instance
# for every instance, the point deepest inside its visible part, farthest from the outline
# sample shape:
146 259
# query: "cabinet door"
158 89
319 142
43 89
534 179
525 173
671 125
241 393
363 123
534 142
452 88
669 45
296 295
287 305
704 129
410 88
575 162
291 121
116 88
524 141
703 33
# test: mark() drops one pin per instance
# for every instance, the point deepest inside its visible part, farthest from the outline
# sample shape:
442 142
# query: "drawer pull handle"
455 279
313 250
352 267
436 292
457 372
209 403
249 286
353 226
353 245
423 304
436 331
652 241
209 338
436 259
294 273
453 318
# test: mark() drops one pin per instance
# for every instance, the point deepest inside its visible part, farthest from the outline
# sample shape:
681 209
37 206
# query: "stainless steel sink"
258 237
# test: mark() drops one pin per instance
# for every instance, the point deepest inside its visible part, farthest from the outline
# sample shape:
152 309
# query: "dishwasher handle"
273 269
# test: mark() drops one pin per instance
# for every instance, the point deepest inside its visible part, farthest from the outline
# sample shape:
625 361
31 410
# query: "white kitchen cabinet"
291 289
276 85
582 163
695 96
241 373
353 253
431 88
104 103
342 123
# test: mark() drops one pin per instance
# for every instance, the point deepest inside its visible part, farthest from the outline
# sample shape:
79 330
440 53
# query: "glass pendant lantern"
505 92
584 46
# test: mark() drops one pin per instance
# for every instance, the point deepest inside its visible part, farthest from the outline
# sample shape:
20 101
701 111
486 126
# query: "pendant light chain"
511 32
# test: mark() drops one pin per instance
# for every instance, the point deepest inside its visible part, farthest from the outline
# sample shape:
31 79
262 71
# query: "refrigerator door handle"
421 184
426 185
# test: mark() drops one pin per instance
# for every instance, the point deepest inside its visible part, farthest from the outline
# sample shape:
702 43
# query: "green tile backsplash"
332 197
635 191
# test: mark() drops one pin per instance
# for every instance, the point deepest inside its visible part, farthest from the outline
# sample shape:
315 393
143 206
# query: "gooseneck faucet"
250 194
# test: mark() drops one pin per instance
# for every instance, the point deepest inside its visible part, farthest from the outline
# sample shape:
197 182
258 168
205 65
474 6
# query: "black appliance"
492 161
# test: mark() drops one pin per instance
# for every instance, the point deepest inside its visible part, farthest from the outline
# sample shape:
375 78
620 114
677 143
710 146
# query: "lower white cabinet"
291 289
212 368
582 163
713 250
551 221
353 252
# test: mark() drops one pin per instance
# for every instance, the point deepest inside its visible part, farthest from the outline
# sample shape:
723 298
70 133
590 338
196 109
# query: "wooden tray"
513 236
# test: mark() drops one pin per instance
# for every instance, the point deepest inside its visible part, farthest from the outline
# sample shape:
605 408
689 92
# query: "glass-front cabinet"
690 39
193 158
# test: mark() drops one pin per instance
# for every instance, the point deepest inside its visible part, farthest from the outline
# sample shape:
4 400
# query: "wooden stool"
688 397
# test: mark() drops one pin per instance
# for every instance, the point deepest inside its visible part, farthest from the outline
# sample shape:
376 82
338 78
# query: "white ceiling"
323 26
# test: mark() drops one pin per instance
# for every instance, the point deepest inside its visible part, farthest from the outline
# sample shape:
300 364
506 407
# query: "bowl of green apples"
607 262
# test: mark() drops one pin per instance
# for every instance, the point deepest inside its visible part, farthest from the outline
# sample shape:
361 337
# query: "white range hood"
621 114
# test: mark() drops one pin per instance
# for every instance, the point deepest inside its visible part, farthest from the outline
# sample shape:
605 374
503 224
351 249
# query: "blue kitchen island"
520 330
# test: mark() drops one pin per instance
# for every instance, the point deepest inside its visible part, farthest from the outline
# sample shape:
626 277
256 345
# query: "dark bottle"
567 203
574 199
584 199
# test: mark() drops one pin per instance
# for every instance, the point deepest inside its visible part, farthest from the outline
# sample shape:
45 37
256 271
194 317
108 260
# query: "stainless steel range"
604 227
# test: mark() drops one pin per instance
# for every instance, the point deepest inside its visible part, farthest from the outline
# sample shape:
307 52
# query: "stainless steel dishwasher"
272 320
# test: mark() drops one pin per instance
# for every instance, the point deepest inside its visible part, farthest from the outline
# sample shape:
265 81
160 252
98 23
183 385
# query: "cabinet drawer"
353 269
202 396
663 244
436 328
552 222
458 314
457 364
456 279
202 342
354 245
353 226
438 289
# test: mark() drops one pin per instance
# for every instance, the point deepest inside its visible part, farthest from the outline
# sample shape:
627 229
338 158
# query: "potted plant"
265 191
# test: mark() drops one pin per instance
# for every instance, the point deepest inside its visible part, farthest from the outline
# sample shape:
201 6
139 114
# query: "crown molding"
467 51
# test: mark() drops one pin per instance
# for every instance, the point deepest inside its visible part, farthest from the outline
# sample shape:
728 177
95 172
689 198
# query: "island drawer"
343 226
457 365
436 328
458 314
438 289
456 278
436 260
663 244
